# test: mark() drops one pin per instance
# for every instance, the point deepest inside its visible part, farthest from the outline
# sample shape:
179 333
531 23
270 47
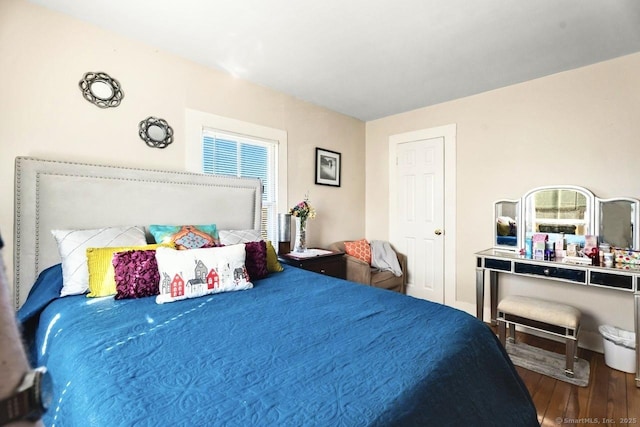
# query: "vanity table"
498 262
565 208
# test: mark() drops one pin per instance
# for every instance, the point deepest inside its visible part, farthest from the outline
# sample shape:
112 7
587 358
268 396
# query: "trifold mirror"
506 219
567 210
617 221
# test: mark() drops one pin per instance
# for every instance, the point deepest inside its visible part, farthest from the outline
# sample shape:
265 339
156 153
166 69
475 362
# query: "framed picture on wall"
328 167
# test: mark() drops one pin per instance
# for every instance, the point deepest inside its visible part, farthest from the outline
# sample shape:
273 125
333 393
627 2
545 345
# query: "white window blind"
242 156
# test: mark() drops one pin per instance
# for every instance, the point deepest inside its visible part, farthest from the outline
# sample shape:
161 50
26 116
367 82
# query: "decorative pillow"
359 249
73 244
101 274
196 272
186 236
273 265
256 259
233 237
136 274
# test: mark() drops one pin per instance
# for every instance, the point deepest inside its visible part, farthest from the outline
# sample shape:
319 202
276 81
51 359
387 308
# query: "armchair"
361 272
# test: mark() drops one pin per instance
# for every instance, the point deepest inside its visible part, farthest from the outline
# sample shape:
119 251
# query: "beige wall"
579 127
43 113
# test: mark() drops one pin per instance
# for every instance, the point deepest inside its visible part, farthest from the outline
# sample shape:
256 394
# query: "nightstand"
320 261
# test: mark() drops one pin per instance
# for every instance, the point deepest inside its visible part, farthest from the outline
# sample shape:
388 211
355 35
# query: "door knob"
438 232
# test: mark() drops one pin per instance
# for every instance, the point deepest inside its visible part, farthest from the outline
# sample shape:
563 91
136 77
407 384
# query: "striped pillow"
233 237
73 245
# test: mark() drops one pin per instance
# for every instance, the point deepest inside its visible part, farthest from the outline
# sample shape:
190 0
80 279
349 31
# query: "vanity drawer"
578 276
497 264
609 280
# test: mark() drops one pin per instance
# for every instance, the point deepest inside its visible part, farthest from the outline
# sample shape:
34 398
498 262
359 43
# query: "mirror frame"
91 78
518 217
143 131
635 232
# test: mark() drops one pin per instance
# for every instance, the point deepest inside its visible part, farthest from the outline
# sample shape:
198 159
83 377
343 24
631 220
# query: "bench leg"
502 332
570 357
512 332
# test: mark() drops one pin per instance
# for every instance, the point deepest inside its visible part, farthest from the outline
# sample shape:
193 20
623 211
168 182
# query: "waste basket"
619 348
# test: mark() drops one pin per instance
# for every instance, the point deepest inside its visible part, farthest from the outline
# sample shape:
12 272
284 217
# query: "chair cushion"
386 280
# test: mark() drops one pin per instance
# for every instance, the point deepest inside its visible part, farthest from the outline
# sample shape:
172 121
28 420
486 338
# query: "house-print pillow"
193 273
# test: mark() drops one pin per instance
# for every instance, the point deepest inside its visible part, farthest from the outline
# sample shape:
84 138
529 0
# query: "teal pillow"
186 236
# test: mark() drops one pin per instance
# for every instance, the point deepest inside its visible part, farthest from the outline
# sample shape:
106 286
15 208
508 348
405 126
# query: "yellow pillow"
273 265
102 281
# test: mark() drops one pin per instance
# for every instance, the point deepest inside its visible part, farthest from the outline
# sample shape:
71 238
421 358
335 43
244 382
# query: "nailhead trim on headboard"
31 174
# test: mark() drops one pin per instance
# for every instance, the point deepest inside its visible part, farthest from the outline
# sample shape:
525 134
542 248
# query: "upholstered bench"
547 316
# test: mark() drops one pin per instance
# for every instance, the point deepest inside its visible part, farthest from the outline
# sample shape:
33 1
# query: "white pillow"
73 245
193 273
233 237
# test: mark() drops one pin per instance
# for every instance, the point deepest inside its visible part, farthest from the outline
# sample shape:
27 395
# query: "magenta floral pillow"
136 274
256 259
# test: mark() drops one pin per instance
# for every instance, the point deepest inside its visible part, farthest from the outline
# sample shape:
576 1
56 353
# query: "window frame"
197 121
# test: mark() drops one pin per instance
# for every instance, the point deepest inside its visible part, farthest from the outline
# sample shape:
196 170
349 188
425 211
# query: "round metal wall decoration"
155 132
101 89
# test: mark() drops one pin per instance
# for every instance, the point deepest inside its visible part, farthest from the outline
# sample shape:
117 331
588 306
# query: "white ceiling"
373 58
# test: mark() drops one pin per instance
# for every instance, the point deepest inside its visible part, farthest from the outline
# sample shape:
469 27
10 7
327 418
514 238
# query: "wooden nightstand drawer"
331 264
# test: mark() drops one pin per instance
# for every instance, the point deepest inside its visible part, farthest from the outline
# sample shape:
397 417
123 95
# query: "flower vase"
301 236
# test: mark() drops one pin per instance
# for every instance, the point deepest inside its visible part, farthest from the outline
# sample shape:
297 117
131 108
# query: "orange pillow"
359 249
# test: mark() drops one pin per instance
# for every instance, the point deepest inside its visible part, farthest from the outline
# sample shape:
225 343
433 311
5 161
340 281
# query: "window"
225 154
224 146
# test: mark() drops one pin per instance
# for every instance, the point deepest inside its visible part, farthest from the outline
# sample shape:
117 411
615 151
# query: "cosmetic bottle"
528 248
549 252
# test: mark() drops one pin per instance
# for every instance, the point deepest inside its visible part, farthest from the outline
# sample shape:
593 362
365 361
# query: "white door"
417 228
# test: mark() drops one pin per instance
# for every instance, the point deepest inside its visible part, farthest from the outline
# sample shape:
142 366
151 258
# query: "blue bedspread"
297 349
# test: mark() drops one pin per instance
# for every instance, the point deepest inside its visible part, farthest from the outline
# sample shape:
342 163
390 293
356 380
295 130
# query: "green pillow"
273 265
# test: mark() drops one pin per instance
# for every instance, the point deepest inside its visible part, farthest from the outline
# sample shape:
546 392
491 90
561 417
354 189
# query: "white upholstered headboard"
65 195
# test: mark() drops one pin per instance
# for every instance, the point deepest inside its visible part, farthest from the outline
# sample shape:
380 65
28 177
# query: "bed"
297 348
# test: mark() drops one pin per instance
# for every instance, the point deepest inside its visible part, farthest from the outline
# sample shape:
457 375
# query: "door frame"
448 133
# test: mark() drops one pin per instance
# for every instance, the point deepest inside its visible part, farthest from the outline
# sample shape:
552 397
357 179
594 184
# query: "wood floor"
610 399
